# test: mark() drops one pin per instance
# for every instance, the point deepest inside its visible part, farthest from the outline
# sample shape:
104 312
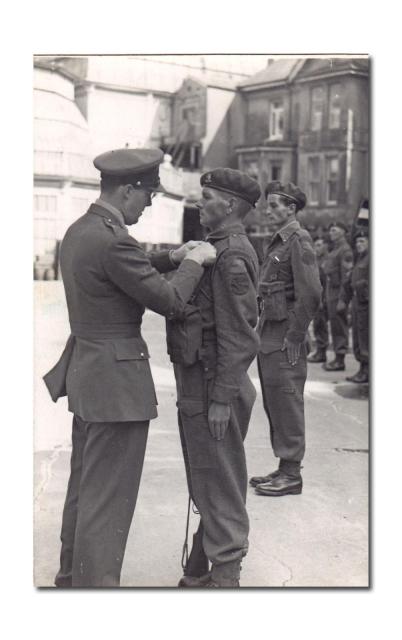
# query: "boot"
337 364
361 377
318 356
255 480
197 566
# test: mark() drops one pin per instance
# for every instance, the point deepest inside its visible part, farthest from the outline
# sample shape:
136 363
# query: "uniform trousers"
339 327
282 388
106 466
320 326
360 331
216 470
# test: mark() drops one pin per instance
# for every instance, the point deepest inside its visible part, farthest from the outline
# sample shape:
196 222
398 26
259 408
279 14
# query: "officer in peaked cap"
215 394
104 369
290 292
338 266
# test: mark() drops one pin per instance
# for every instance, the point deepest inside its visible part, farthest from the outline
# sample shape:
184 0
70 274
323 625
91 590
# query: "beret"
287 190
234 182
139 166
361 233
339 224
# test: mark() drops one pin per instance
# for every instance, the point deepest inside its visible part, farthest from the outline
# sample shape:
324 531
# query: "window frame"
273 119
328 160
317 181
314 102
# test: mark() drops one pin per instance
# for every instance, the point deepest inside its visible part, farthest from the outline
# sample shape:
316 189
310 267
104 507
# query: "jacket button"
206 369
142 355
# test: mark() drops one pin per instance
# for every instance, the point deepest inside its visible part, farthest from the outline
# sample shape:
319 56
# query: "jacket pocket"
130 349
274 300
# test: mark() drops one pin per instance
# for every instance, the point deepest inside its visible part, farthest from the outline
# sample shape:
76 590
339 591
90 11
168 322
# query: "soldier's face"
278 212
134 204
319 247
212 207
362 245
335 233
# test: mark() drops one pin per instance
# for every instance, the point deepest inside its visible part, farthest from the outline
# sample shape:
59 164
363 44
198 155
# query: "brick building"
307 120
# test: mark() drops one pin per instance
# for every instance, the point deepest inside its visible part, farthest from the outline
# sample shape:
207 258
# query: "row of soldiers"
344 275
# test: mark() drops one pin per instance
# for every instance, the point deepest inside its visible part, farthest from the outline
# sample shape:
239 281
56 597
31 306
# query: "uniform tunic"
290 292
104 371
216 470
337 267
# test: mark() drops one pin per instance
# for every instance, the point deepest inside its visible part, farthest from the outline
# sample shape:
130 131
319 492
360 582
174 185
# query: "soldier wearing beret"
357 289
215 394
290 291
338 266
104 369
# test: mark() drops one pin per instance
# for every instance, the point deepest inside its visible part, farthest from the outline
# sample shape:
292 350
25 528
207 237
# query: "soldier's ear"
231 204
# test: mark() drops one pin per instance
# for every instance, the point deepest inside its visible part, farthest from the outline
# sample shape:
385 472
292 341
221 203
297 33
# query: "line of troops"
222 310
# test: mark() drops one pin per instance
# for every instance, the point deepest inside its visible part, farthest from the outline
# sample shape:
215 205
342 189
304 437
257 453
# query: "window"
335 106
251 168
276 121
45 204
314 179
332 180
276 171
317 108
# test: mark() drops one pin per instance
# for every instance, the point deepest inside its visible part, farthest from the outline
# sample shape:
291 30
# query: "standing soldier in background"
357 290
215 395
320 321
290 290
104 369
337 269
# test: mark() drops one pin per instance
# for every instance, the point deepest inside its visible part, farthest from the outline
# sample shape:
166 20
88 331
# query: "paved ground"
318 539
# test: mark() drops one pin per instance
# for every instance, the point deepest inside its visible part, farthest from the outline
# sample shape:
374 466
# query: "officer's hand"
218 419
204 254
293 350
177 255
341 306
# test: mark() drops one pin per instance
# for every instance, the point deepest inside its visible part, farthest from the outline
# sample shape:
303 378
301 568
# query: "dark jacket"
357 285
227 297
337 267
108 281
289 288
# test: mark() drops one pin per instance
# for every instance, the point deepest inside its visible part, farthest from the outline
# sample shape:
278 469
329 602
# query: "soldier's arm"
129 267
307 288
346 264
346 292
235 306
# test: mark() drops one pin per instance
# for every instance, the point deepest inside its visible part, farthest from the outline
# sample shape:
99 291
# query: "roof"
276 72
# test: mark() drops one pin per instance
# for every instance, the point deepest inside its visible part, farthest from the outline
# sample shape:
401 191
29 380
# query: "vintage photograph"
201 321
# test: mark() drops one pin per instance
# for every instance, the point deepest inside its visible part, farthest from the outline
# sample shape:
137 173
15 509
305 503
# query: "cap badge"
208 178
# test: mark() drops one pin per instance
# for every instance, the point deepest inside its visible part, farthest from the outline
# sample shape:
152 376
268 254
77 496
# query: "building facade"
304 120
307 121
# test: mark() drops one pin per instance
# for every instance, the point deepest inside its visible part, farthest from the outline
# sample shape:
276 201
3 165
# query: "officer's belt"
91 331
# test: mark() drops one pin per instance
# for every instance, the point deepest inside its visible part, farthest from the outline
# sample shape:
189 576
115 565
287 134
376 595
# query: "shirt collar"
113 210
287 231
225 231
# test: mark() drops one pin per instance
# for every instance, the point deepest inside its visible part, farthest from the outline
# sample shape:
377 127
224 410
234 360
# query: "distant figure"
337 267
357 289
320 321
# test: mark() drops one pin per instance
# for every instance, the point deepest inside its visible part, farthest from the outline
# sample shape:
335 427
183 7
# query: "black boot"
255 480
197 565
338 364
318 356
361 377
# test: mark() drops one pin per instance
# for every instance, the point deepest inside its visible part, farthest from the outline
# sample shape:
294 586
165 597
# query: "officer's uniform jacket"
337 267
227 297
108 281
289 288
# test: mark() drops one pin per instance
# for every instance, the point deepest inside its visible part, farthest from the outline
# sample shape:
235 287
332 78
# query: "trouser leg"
64 575
362 321
112 464
283 388
355 333
320 326
217 468
339 328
